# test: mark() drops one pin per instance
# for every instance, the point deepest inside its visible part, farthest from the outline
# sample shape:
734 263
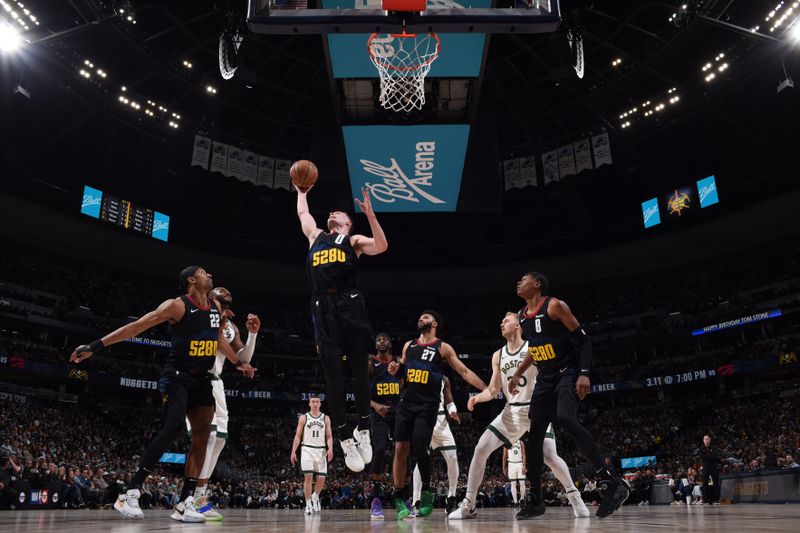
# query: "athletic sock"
189 484
363 423
138 478
376 489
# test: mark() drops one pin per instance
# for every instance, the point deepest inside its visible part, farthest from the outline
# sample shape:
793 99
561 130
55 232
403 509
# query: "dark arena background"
641 155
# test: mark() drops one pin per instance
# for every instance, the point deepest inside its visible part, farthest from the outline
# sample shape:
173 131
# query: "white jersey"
230 334
314 431
442 411
508 366
515 453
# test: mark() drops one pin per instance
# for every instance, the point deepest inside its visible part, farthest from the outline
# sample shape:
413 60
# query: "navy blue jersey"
194 338
423 379
549 342
332 264
385 388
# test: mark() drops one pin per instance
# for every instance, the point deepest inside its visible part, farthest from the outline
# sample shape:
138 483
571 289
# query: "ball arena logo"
90 200
707 190
650 212
160 225
397 185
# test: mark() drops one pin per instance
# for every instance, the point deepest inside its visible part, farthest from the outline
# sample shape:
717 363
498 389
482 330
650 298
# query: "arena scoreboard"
124 213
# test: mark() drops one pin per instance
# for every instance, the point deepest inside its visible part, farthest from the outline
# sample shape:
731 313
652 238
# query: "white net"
403 61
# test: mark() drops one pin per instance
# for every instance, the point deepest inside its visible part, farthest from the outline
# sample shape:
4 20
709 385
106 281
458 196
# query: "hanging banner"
583 156
282 178
235 156
201 151
527 170
250 167
219 157
602 150
566 161
550 167
266 171
511 174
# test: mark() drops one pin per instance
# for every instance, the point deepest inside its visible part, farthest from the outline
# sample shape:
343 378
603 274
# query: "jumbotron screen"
124 213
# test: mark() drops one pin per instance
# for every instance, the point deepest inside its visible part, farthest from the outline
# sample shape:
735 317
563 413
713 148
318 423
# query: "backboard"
368 16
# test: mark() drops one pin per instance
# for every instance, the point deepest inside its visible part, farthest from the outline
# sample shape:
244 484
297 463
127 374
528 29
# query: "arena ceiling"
62 128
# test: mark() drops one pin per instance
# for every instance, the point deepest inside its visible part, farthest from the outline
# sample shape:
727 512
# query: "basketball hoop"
403 60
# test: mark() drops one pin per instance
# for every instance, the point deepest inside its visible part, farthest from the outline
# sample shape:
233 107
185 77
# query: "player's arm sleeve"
245 353
583 344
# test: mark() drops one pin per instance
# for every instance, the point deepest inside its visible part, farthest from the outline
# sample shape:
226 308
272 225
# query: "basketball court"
741 518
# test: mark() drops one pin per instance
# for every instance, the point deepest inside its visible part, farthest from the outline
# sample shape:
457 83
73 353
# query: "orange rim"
404 36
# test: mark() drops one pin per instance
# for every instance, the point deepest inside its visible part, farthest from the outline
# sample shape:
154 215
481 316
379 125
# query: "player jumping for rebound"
421 369
339 315
314 432
562 352
513 422
219 426
185 385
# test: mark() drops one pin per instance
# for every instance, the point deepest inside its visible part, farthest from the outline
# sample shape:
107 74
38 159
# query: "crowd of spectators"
92 449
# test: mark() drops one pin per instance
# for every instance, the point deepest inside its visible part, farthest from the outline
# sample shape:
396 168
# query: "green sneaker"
401 508
426 503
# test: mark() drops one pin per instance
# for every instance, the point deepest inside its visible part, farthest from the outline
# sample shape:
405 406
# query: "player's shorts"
184 391
313 461
220 421
515 472
512 423
341 324
415 421
442 438
553 389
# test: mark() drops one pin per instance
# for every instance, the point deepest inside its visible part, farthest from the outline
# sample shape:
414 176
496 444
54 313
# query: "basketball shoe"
364 444
185 511
352 456
206 508
532 508
465 511
579 508
377 509
128 504
617 492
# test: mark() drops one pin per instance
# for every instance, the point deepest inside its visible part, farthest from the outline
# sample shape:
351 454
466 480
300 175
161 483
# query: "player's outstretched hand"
82 352
293 458
582 387
247 370
512 384
253 323
472 402
366 203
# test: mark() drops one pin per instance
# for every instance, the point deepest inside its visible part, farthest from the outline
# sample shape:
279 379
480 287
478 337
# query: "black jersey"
194 339
385 388
423 373
332 264
549 342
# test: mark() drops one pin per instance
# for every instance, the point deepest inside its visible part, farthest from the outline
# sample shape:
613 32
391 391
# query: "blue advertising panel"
707 190
638 462
407 168
650 213
170 457
92 198
460 56
160 226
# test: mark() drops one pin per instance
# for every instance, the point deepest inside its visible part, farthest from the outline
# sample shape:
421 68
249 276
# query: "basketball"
304 174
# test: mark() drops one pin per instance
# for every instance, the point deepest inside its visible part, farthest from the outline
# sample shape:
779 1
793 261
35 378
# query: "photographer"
8 473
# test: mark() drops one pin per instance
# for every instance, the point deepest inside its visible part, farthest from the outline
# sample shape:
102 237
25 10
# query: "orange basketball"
304 174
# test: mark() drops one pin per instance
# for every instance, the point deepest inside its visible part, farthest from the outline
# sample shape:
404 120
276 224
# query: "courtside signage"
650 213
743 321
160 226
460 56
407 168
92 198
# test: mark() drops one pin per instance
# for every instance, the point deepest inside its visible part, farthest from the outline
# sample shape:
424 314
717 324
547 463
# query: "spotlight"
211 90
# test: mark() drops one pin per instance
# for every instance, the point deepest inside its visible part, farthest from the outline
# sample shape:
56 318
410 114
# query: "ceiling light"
9 38
211 90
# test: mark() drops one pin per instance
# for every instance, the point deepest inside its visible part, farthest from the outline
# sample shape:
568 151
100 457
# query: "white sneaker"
315 505
128 504
206 508
579 508
309 508
464 511
364 444
352 458
186 512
